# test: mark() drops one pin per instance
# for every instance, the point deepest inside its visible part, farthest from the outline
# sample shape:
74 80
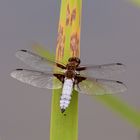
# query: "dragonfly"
68 77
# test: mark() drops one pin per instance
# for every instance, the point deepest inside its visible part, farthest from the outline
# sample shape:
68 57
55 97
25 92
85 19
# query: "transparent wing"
101 71
36 61
37 79
92 86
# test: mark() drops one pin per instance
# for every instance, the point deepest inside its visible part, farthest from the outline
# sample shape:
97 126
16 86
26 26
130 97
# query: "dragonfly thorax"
70 74
71 66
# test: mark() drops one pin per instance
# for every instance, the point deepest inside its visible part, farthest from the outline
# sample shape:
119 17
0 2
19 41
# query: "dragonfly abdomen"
66 94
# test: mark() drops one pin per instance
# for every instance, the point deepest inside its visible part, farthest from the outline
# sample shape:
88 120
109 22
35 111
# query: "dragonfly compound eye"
76 59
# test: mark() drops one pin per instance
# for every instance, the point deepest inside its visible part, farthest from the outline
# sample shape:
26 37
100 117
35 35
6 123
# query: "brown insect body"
73 63
69 79
70 70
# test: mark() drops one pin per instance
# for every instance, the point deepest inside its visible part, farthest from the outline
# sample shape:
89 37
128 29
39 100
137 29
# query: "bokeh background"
110 33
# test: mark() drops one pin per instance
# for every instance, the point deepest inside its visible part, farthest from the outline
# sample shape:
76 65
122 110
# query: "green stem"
65 127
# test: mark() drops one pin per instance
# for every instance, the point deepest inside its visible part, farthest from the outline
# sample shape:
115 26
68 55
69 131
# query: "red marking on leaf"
60 43
70 16
67 15
73 15
74 43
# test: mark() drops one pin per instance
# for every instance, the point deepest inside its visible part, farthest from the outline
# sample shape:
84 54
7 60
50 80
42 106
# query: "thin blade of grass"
135 2
122 108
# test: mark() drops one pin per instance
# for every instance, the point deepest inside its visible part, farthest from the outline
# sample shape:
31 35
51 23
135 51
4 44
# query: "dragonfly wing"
36 61
101 71
37 79
92 86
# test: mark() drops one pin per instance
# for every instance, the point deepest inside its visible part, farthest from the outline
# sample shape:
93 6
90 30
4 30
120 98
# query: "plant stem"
65 127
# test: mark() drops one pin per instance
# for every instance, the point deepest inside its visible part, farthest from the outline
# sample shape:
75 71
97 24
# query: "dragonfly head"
74 59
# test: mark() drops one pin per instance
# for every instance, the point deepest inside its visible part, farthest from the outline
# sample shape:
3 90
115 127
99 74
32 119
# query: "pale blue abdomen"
66 94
